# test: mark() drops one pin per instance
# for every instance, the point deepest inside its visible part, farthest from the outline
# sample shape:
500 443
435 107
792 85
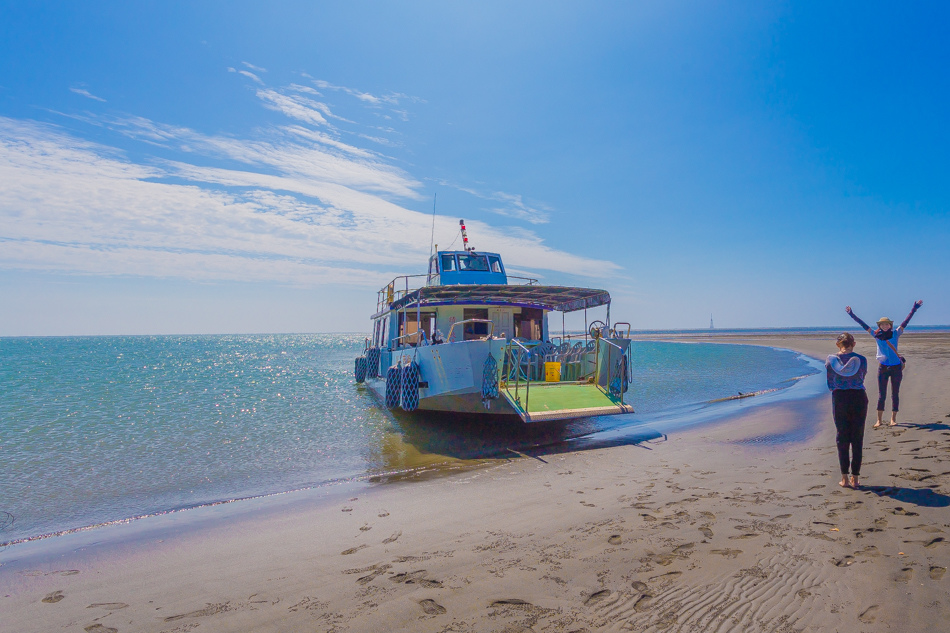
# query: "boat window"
473 263
495 263
408 324
448 263
475 330
528 323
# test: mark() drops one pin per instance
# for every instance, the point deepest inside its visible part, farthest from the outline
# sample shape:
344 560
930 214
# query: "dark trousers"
850 409
896 374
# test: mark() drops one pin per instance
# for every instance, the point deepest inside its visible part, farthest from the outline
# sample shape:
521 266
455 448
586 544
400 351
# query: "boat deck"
563 401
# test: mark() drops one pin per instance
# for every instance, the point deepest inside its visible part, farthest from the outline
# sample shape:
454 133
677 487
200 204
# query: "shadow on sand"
924 497
473 437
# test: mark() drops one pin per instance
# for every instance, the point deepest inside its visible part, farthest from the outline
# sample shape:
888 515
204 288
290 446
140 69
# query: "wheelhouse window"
448 263
528 323
473 263
475 330
494 262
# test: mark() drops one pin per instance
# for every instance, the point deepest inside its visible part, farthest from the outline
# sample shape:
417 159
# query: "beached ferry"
467 337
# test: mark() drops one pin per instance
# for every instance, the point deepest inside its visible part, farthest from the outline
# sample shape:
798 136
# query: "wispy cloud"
250 75
86 93
295 204
513 205
255 68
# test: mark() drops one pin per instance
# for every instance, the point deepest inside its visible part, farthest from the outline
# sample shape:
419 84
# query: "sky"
247 167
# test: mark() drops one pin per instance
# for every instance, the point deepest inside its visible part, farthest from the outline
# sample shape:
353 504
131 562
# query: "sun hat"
884 320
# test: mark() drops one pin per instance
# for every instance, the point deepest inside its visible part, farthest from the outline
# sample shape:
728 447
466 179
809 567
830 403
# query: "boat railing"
515 353
401 286
527 281
616 329
622 365
491 328
396 289
419 335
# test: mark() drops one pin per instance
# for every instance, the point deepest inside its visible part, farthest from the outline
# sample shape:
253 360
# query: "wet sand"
715 528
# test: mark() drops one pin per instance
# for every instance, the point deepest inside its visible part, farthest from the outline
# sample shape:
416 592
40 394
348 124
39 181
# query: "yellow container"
552 372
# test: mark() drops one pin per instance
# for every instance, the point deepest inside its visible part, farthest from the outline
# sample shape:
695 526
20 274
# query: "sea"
97 430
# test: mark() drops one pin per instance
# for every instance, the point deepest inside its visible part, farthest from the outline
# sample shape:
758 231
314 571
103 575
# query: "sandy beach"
722 527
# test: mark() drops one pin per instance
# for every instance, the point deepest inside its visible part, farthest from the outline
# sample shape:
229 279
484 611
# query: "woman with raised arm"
849 407
891 363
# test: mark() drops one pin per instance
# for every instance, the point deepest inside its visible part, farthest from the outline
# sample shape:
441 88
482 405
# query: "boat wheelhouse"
467 337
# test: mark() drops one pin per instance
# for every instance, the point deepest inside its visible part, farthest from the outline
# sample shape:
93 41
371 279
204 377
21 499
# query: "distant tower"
711 326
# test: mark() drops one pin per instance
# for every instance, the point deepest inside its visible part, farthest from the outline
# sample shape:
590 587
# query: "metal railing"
401 286
513 363
418 334
623 364
491 329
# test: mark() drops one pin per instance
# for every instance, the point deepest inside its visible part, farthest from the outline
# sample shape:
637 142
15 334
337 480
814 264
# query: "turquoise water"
99 429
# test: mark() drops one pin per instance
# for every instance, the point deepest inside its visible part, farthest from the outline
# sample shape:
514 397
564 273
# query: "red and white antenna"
465 237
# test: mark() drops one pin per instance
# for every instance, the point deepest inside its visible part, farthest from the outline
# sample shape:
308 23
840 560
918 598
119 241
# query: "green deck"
562 401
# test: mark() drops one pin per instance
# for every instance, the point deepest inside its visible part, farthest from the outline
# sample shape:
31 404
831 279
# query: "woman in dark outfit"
891 365
849 405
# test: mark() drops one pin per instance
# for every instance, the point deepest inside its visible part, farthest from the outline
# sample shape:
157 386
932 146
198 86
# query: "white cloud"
305 208
251 75
514 205
253 67
87 94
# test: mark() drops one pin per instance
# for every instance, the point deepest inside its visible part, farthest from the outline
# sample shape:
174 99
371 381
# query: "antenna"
432 238
465 237
711 326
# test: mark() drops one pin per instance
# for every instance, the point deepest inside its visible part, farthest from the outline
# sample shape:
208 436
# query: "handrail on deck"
491 330
623 356
512 362
418 333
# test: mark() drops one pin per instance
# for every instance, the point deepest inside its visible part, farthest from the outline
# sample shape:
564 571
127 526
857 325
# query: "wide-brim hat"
885 320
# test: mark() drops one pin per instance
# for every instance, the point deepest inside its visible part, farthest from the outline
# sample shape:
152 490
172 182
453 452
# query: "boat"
466 337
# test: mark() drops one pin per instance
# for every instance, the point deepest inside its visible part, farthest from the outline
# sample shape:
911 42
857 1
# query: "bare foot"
877 425
844 482
855 482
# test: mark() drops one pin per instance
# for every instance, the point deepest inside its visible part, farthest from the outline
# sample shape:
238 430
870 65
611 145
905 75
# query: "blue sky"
173 167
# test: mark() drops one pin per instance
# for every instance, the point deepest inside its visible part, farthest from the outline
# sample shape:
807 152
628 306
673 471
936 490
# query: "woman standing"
849 405
891 363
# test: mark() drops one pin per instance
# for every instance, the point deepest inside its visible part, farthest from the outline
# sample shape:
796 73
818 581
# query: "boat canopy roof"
558 298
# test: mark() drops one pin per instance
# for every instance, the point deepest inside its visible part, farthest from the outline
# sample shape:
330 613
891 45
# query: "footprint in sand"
706 532
845 561
352 550
52 598
643 603
383 515
615 539
393 538
902 512
596 597
511 602
98 628
904 575
728 553
111 606
639 586
431 607
937 572
870 614
934 542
